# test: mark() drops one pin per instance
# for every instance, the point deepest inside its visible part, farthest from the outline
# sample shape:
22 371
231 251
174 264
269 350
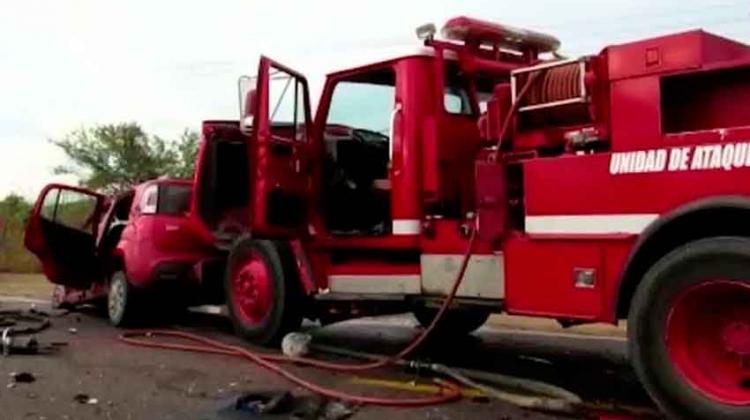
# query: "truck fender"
714 216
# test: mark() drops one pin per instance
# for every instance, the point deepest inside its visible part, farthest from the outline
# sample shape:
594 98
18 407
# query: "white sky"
170 64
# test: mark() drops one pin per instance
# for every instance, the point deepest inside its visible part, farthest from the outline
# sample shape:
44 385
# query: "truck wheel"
122 305
262 296
689 330
456 322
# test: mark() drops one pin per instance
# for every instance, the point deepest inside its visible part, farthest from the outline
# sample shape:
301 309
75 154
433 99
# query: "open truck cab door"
255 175
280 150
61 231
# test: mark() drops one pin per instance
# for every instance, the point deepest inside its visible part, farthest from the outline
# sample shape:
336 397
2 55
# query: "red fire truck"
592 189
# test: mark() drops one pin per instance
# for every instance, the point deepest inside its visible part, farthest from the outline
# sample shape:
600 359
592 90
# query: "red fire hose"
270 362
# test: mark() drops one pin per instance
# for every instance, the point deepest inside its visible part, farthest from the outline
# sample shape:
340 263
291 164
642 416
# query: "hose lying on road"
543 396
270 361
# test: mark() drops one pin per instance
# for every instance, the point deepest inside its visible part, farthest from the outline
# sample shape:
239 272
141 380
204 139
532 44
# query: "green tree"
113 157
14 210
186 151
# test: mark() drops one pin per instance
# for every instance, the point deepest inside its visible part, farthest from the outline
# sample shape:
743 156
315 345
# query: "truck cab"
371 203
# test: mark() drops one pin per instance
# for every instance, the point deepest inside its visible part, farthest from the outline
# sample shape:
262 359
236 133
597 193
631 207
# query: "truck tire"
689 330
263 294
455 322
122 302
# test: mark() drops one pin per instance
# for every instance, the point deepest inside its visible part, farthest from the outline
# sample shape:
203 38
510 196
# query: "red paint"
708 339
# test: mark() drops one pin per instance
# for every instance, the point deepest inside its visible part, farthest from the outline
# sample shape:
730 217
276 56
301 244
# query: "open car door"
281 150
61 232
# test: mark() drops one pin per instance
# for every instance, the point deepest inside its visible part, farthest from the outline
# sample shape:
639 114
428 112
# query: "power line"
667 14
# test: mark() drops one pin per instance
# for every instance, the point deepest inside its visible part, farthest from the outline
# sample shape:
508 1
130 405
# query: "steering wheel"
115 223
361 135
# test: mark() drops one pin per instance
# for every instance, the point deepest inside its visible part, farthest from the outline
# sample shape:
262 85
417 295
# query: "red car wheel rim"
708 339
253 291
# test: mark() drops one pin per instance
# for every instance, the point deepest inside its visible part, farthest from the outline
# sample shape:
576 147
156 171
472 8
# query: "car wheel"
122 305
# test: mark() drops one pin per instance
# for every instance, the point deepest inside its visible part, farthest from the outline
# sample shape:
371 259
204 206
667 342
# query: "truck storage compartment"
705 100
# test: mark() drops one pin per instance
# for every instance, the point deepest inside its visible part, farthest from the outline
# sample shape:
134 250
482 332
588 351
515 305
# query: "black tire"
694 263
455 322
123 304
285 313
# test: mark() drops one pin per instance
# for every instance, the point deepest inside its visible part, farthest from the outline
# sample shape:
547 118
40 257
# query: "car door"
61 232
280 149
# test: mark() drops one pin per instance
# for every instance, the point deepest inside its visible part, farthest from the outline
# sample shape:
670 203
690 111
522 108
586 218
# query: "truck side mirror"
246 123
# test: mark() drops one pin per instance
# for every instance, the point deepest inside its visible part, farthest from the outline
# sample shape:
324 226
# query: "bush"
14 257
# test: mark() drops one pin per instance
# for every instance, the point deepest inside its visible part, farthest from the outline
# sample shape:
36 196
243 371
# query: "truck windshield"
365 103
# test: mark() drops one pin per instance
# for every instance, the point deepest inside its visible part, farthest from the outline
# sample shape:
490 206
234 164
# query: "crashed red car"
129 248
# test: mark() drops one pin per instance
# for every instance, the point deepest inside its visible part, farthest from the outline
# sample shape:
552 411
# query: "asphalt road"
137 383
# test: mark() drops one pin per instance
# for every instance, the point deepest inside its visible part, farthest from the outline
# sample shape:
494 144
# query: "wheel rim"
116 299
708 339
252 290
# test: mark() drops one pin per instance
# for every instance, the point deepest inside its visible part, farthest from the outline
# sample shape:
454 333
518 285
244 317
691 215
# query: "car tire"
689 330
122 301
263 293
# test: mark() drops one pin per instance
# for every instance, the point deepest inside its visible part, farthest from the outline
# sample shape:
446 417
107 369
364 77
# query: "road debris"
296 344
23 377
85 399
18 322
271 402
277 404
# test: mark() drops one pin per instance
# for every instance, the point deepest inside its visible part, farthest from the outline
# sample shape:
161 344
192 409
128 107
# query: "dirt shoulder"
32 286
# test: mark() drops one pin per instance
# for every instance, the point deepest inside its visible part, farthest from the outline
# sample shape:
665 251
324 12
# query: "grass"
14 258
25 285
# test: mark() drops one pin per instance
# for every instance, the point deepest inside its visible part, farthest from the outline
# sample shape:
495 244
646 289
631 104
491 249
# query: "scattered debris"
272 402
18 322
23 377
336 410
281 404
85 399
296 344
26 345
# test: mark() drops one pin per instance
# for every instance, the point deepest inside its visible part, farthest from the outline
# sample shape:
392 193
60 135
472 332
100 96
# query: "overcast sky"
168 65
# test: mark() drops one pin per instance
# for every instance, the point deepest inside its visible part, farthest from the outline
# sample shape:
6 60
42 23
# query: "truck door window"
456 98
287 106
356 182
